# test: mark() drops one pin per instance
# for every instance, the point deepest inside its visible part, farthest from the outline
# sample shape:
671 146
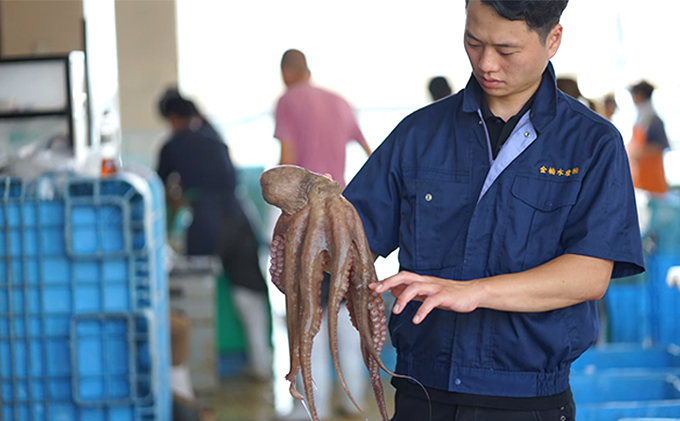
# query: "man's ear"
554 40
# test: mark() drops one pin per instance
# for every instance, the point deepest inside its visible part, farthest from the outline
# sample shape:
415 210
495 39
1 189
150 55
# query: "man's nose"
488 62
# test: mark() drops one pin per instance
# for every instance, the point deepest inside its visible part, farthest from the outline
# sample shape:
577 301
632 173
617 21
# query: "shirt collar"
488 114
545 99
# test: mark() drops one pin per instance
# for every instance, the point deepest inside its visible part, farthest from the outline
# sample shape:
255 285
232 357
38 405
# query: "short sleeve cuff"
625 264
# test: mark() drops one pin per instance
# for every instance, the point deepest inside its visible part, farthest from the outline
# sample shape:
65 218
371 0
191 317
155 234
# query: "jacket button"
457 382
428 197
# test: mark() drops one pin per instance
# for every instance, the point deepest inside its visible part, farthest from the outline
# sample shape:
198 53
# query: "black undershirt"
499 130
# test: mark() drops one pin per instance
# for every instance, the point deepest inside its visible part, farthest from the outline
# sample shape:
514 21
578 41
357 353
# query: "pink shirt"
320 124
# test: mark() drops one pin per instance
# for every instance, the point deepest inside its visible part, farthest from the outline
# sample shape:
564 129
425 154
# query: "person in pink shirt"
314 127
313 124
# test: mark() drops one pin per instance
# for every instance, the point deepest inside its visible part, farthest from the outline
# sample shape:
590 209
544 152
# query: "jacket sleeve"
376 193
603 223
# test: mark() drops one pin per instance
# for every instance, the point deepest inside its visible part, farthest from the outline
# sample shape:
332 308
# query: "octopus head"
289 187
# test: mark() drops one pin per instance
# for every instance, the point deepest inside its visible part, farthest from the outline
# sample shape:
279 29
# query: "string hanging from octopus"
318 228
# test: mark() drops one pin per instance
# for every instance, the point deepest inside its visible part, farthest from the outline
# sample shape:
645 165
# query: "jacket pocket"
546 195
536 219
433 210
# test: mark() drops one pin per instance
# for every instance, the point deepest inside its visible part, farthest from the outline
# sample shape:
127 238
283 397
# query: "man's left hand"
461 297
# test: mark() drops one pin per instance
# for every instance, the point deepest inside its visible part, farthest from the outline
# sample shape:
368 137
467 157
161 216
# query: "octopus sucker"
317 229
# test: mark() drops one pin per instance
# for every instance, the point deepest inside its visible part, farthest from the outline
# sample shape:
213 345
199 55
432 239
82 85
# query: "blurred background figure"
201 160
196 158
313 124
439 88
570 87
648 143
314 127
609 106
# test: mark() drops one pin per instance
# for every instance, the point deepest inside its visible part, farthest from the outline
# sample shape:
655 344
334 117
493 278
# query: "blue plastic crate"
84 329
626 381
623 356
664 301
664 224
628 311
615 394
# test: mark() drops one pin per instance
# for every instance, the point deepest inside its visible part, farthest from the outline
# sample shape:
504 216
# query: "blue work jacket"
560 184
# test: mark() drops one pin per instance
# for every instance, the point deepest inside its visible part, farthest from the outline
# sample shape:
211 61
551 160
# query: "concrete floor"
240 399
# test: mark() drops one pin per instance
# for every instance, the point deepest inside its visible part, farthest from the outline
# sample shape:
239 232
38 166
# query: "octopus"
319 229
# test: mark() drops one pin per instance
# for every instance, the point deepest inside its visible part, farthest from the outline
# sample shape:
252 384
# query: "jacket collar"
544 109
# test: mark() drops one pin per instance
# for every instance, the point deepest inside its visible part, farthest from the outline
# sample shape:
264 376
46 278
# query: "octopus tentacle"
277 266
367 311
293 242
370 319
310 310
340 276
370 305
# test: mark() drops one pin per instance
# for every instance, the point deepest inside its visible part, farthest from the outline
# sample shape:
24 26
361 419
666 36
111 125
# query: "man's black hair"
643 88
172 103
540 15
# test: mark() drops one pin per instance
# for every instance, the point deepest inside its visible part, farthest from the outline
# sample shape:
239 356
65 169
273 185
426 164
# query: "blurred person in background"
439 88
570 87
198 155
313 124
314 127
609 106
649 141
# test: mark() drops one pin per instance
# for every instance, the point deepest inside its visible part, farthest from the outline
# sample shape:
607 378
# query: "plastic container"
623 381
623 356
84 329
664 301
192 292
628 310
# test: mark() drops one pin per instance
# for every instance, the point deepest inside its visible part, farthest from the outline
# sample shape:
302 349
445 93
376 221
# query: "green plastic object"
230 336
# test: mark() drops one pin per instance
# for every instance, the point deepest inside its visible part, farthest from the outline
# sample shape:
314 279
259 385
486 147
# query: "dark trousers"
409 408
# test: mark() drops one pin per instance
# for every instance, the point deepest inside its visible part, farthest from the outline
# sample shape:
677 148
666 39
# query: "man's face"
638 99
507 57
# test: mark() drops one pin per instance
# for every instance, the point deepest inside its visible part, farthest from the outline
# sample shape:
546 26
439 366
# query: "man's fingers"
416 291
397 291
426 307
401 278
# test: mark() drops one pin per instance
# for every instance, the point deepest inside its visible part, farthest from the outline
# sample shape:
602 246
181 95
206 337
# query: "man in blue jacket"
512 207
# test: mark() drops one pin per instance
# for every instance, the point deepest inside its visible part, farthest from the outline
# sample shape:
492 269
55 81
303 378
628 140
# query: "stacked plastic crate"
84 329
642 309
664 302
627 381
638 376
